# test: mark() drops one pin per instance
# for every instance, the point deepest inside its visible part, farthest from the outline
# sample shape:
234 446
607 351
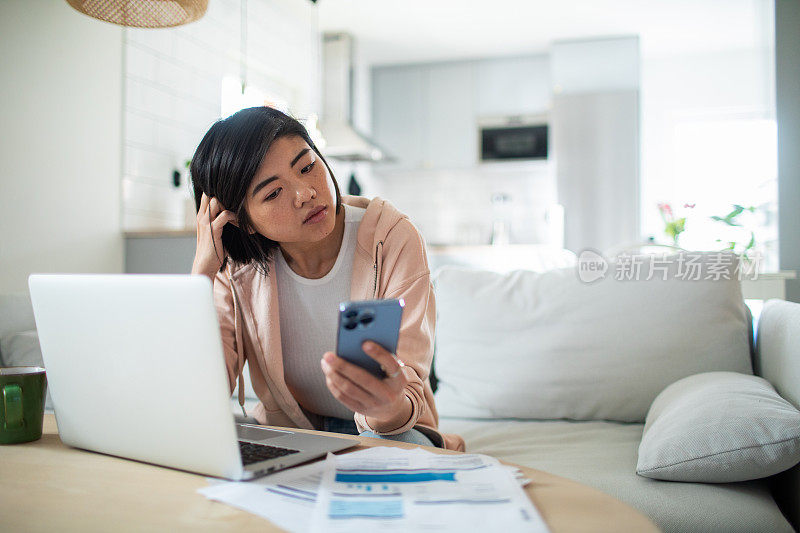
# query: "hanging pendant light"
143 13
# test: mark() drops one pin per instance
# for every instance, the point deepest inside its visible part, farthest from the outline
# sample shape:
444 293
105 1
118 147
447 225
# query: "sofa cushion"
549 346
16 313
22 349
719 427
603 455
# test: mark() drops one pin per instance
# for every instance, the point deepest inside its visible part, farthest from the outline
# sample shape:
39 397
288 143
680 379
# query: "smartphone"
363 320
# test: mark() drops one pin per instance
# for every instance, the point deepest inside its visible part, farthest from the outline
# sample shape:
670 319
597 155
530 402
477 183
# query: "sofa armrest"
777 357
777 360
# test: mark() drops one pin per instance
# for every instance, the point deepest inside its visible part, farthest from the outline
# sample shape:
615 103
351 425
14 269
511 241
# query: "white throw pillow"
549 346
719 427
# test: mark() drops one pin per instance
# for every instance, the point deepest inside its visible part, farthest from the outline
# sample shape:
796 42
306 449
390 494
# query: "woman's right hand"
207 259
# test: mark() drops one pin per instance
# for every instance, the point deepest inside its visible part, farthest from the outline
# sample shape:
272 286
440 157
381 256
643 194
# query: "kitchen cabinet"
451 126
512 86
596 137
399 114
427 115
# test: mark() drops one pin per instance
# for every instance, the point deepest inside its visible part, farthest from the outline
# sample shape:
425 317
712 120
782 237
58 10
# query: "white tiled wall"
173 80
455 207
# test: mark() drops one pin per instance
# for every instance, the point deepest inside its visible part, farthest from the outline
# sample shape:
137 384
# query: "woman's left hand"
356 388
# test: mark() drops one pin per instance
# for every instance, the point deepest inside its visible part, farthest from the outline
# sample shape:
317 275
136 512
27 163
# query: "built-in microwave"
513 138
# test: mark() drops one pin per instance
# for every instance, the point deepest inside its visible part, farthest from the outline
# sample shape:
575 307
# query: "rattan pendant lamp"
143 13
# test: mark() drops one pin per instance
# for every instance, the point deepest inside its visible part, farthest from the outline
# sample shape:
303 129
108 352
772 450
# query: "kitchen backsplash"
457 207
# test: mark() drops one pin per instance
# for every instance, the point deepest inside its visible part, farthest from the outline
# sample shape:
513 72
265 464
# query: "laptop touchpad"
255 433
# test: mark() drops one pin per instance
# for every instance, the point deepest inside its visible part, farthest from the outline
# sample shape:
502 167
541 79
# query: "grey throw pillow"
22 349
719 427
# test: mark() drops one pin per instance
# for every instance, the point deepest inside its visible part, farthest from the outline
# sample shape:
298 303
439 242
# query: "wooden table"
47 486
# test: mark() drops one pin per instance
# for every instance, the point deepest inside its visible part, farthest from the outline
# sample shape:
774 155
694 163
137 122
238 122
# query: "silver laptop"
135 369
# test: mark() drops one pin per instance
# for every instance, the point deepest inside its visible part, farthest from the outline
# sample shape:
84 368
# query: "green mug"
22 393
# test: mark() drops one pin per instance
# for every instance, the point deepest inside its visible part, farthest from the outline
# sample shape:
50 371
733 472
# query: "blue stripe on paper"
395 478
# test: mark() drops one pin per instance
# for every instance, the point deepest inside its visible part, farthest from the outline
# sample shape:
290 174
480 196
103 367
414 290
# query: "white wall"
173 92
60 100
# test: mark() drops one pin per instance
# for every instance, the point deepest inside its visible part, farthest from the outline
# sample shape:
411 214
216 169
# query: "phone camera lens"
367 317
350 325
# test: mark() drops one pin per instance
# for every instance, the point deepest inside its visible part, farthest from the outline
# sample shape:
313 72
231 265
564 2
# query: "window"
720 161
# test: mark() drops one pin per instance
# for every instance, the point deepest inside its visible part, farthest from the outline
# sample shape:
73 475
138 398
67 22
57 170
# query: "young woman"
283 247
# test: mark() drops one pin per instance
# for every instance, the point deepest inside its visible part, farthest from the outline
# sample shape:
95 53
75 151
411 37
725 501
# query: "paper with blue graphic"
395 489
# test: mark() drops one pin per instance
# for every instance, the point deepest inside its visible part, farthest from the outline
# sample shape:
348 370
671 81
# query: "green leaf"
726 221
736 212
752 241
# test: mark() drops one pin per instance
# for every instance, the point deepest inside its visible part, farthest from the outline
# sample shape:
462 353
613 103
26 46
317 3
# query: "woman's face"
291 182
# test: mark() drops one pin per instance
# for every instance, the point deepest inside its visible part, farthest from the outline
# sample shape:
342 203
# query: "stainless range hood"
342 140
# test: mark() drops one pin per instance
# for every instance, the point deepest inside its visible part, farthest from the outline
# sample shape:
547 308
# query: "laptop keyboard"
253 453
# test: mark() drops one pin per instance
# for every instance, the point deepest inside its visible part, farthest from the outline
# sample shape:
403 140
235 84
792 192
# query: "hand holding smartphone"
363 320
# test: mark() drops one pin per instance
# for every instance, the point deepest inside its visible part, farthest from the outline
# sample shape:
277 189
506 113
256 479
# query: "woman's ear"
236 223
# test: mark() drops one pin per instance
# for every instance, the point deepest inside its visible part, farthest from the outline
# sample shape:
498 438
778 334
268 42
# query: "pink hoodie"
390 262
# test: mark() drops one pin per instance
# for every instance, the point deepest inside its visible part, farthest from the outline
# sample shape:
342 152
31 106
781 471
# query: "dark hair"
224 164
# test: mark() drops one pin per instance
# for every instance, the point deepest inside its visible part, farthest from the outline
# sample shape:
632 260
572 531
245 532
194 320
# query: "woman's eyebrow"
298 156
273 178
262 185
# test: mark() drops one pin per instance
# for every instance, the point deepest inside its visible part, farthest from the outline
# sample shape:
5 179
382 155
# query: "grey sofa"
547 371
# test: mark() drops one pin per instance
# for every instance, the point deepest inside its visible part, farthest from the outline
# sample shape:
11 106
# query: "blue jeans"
348 426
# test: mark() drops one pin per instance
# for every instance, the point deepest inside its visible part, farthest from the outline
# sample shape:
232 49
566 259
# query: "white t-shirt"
309 311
